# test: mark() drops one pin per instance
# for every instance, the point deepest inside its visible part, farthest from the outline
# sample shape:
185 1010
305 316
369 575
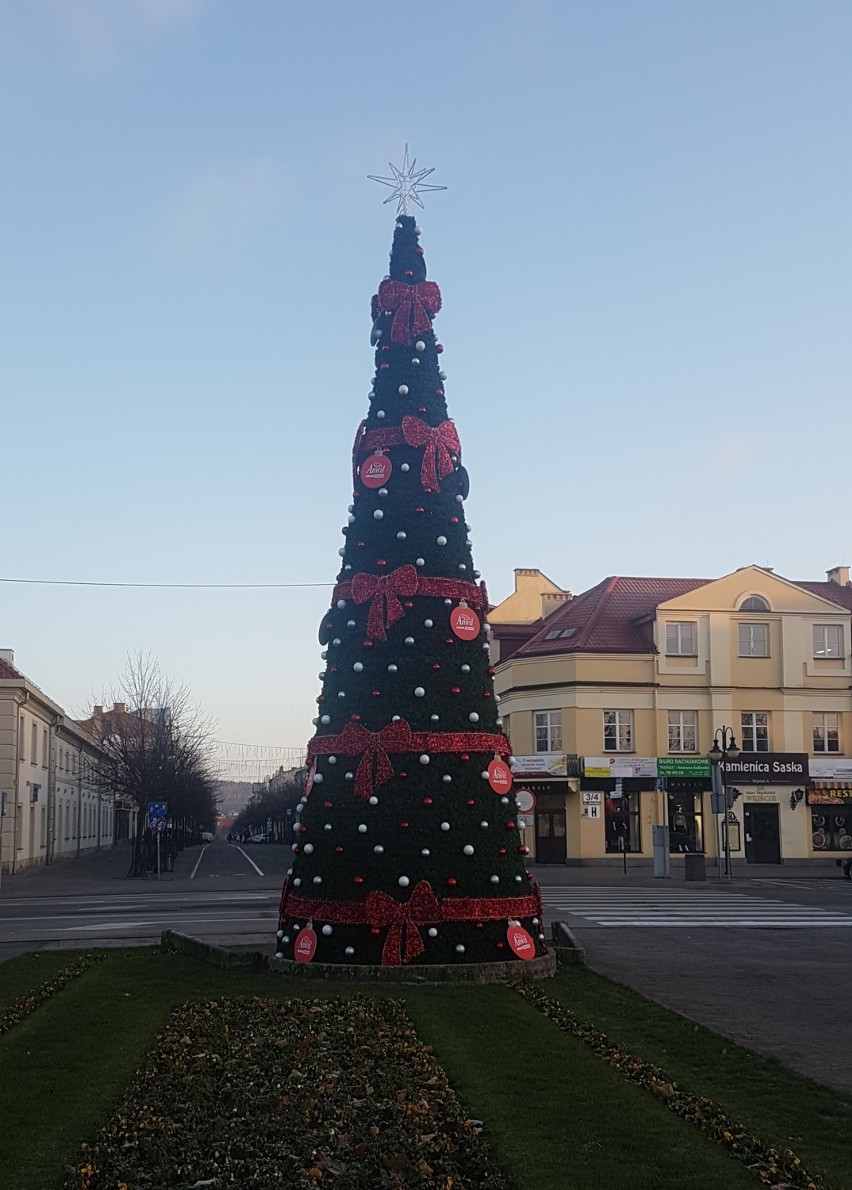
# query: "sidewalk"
95 872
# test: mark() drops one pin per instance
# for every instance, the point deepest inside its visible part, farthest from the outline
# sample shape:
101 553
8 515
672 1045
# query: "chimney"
119 708
97 712
7 655
551 601
839 575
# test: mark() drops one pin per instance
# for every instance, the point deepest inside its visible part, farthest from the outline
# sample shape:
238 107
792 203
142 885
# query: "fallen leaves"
293 1093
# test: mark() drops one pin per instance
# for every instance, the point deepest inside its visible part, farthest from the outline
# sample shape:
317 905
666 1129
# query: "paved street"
764 960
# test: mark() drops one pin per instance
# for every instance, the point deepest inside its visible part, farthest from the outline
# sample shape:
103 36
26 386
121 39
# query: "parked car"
206 836
847 868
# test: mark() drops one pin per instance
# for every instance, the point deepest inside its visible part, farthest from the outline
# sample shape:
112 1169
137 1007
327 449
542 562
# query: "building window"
755 731
548 731
754 603
680 640
754 640
685 822
828 640
683 731
618 731
622 822
34 743
21 734
44 749
826 731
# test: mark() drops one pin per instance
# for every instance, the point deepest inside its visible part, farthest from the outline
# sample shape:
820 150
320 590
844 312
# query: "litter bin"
693 866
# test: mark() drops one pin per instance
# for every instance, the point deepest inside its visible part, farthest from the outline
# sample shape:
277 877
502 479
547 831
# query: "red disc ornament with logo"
309 782
499 776
464 622
306 945
519 940
375 471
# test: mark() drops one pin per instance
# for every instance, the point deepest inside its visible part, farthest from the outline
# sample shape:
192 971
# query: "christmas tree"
407 844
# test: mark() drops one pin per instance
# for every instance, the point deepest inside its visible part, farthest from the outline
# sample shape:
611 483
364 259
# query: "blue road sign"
157 813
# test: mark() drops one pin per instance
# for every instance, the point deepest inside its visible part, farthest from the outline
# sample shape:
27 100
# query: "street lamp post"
724 749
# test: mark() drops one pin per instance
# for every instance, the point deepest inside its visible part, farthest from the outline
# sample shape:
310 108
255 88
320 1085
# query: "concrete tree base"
538 968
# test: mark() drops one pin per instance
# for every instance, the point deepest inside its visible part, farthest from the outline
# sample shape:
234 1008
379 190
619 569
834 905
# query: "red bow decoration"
384 590
374 747
412 304
439 441
404 918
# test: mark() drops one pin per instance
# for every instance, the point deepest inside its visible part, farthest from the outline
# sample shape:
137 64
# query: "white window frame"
747 647
824 646
550 724
826 723
620 723
749 728
683 732
678 647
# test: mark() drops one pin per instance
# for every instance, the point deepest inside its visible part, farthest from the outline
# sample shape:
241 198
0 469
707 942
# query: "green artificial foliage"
349 846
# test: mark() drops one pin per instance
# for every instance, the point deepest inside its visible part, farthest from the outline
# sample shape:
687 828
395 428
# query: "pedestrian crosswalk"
680 908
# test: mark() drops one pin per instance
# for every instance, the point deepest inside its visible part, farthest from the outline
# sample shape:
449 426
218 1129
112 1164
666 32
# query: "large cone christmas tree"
407 847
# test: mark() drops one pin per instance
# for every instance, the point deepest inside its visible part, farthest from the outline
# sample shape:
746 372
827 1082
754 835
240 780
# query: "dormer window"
754 603
681 639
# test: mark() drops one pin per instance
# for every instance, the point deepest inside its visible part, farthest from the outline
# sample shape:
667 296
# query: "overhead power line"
63 582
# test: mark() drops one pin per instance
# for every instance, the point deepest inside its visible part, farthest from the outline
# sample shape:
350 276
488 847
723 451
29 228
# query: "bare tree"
156 746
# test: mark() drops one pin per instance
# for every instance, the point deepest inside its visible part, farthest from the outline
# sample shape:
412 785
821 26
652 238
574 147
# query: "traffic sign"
157 814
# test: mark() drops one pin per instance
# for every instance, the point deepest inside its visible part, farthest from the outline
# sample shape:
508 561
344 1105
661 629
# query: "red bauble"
384 367
328 805
375 472
452 880
464 622
427 801
439 347
521 942
456 690
403 825
356 718
357 879
409 272
471 802
523 850
454 520
377 693
381 562
437 665
422 409
502 851
464 756
305 946
368 644
339 849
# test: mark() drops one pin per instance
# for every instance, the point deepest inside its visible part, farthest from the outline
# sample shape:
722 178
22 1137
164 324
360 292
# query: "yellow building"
612 699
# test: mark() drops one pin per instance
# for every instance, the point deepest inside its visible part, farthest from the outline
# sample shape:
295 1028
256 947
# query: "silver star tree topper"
406 183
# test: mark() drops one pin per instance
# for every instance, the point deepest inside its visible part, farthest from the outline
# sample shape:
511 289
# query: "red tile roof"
8 671
834 592
613 617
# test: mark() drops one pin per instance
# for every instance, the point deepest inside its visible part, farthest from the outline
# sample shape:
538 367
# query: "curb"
508 972
217 956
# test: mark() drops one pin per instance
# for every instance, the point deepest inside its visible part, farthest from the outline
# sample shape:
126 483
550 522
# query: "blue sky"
644 254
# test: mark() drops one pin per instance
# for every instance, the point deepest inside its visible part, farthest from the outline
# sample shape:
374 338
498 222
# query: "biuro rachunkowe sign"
767 768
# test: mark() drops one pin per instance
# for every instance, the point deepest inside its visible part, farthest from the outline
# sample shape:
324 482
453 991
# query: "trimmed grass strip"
21 1008
768 1163
265 1093
772 1101
556 1117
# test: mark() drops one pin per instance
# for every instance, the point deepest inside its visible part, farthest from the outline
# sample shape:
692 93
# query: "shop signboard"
541 764
619 766
683 766
766 768
834 769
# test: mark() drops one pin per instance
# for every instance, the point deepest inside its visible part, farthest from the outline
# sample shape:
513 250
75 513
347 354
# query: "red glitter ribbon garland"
386 608
373 747
413 304
439 441
403 941
384 590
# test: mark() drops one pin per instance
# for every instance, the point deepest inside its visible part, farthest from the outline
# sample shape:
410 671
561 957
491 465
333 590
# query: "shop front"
686 781
614 794
767 788
830 808
542 788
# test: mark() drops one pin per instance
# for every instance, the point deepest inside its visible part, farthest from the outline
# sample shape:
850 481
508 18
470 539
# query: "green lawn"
555 1115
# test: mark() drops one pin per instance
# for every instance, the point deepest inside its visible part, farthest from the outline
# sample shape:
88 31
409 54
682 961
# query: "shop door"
762 836
550 847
